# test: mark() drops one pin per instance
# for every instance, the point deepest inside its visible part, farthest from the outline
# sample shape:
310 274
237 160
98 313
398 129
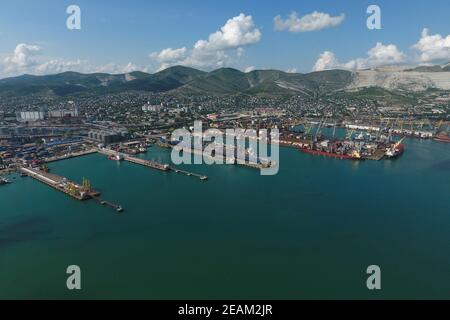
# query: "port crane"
72 189
439 125
429 124
401 126
319 129
399 143
309 128
334 130
350 134
383 126
86 185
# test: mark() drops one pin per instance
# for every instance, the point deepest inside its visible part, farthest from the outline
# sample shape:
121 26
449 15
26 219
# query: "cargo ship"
354 156
353 150
442 137
337 149
362 147
396 151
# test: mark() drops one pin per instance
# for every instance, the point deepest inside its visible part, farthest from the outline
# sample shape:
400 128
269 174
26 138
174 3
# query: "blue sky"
115 33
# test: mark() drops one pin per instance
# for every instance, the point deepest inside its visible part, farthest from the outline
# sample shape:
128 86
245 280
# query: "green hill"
180 80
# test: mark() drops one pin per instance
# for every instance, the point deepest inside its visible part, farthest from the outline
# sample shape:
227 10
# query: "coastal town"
366 124
43 132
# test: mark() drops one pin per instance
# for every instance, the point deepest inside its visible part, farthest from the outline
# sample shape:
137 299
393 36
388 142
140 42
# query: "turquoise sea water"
309 232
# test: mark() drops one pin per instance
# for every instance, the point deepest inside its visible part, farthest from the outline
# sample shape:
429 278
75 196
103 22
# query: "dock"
70 188
151 164
148 164
141 162
227 160
189 174
114 206
61 184
378 155
70 156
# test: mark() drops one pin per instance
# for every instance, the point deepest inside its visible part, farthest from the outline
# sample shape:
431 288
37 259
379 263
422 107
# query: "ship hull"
442 139
327 154
115 158
397 153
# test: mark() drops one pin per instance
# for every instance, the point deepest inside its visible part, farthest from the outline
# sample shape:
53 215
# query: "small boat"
117 157
360 137
142 149
119 209
4 182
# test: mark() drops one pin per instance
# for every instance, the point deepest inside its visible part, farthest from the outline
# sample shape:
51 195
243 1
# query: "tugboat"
142 148
117 157
360 137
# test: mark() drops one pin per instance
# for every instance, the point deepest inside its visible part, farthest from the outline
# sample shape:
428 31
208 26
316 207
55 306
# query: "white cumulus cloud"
326 61
380 55
310 22
23 58
433 47
29 59
112 68
249 69
237 33
169 55
57 66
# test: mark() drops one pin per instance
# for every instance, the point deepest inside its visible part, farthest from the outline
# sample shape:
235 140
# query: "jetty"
149 164
79 192
62 184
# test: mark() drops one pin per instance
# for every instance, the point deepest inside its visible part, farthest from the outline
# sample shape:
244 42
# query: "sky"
150 35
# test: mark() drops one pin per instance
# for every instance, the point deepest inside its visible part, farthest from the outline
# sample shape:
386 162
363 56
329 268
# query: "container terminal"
353 147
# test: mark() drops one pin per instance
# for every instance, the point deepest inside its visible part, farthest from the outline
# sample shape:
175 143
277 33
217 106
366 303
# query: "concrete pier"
68 187
60 183
151 164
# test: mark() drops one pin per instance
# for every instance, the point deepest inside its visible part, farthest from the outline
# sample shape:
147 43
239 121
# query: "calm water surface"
309 232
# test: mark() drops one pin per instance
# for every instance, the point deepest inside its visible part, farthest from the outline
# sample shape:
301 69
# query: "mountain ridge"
228 81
